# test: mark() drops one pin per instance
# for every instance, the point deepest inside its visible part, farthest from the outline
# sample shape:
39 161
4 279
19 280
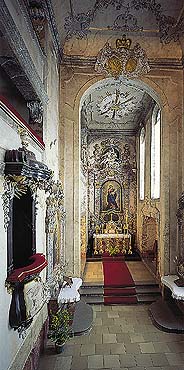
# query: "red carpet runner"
119 286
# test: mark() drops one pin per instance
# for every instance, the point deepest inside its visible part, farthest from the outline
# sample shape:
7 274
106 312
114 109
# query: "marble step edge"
137 284
147 297
93 299
147 290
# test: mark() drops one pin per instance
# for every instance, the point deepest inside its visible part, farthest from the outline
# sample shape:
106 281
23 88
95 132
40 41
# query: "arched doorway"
75 88
112 113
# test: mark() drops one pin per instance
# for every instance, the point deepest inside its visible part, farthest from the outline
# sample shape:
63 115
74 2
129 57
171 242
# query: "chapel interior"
92 183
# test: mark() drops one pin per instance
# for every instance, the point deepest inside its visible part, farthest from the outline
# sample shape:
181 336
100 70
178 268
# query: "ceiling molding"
161 63
115 133
21 57
49 12
26 16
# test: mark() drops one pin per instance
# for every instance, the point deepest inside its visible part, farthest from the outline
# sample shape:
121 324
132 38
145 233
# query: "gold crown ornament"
123 43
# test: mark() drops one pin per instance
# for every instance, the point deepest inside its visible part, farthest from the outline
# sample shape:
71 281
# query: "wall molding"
161 63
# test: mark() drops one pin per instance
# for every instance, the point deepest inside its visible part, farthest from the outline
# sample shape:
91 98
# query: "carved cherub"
67 281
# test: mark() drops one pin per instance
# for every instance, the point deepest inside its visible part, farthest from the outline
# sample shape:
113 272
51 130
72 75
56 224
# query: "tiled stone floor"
122 337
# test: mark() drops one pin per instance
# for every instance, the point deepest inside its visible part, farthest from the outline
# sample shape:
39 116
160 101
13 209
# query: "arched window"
142 164
155 154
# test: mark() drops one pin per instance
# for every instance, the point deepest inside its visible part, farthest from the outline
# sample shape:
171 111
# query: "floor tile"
117 348
147 347
175 359
176 347
102 349
115 329
159 359
143 359
87 349
63 363
136 338
109 338
123 338
132 348
127 360
111 361
78 362
161 347
95 361
119 345
96 338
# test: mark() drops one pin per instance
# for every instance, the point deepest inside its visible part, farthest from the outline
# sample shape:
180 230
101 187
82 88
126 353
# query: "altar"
118 243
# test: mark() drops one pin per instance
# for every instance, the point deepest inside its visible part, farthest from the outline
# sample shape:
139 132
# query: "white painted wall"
10 342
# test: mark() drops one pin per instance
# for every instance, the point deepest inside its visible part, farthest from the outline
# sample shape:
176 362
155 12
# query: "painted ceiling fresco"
79 18
115 105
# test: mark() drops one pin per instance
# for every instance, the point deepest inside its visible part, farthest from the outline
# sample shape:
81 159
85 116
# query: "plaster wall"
148 207
10 343
51 110
89 47
171 167
166 84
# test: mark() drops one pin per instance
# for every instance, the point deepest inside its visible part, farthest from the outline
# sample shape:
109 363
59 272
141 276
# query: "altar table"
105 243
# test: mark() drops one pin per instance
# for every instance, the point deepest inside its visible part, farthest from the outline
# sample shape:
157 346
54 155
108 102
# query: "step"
93 299
167 317
147 289
91 284
147 298
91 291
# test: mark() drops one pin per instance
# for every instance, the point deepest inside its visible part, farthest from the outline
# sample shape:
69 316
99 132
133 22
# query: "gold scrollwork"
9 287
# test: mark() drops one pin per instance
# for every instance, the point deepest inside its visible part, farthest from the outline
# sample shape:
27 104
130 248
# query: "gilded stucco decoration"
180 219
55 214
36 177
83 237
112 169
122 60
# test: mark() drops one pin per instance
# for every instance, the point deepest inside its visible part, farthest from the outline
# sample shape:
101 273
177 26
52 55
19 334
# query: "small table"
70 294
177 292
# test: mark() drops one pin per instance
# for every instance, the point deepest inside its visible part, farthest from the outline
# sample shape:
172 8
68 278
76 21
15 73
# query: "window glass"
155 155
142 163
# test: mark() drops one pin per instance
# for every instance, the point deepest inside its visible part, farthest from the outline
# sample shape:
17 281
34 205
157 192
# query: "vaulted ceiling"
86 26
116 105
89 19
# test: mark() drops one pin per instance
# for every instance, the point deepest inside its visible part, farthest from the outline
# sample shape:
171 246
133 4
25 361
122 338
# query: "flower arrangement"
113 250
60 326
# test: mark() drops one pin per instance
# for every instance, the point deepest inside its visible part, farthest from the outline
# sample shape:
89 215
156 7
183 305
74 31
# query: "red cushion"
37 264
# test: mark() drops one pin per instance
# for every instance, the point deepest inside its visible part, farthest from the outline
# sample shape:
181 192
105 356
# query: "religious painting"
111 197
